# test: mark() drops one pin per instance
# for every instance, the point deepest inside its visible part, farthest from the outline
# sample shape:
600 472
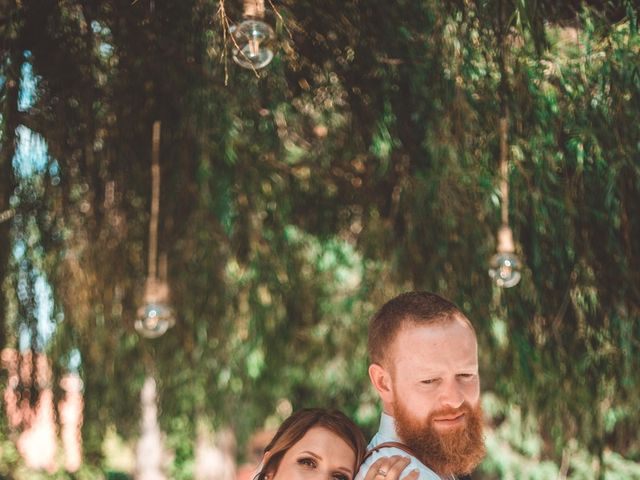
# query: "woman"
323 444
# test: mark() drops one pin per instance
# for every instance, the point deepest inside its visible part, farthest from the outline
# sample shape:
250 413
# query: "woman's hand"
389 468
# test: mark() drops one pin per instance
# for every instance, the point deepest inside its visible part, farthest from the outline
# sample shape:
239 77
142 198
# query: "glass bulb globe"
154 319
252 44
504 269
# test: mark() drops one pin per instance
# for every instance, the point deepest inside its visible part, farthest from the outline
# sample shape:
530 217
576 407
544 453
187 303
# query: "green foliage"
515 449
361 163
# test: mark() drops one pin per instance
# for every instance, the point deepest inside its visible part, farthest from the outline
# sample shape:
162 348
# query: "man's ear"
381 381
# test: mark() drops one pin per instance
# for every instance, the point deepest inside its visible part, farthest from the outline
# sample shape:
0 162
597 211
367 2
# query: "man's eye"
308 462
466 376
430 381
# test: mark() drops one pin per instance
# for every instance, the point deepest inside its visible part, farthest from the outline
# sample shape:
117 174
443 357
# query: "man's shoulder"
425 472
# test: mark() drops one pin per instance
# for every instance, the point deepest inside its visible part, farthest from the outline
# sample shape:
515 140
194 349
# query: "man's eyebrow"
428 371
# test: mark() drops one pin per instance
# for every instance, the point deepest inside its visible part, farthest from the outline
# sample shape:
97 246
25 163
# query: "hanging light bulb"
155 316
252 38
504 267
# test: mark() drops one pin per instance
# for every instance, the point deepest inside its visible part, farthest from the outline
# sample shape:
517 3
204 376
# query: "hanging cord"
502 31
7 215
504 170
254 8
505 235
155 200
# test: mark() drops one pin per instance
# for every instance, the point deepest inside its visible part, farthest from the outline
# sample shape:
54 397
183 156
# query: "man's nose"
452 395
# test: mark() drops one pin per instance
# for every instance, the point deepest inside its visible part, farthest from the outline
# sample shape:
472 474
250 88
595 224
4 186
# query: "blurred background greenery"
362 162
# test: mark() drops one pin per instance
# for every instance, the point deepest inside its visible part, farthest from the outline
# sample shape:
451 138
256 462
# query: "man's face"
435 394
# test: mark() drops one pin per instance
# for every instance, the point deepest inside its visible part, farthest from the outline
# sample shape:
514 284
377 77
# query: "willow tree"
295 200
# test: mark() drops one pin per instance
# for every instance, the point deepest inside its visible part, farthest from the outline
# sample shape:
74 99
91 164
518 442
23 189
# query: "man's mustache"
450 412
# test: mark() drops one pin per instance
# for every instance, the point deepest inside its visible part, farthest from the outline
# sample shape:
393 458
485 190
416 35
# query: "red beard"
456 451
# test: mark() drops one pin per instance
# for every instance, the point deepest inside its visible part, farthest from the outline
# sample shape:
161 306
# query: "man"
424 366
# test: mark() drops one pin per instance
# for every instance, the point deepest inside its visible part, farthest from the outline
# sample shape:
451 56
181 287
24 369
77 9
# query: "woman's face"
319 455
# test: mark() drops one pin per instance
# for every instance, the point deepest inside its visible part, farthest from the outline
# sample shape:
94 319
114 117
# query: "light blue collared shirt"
387 433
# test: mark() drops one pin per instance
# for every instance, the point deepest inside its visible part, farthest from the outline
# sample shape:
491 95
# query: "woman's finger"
396 466
374 469
387 468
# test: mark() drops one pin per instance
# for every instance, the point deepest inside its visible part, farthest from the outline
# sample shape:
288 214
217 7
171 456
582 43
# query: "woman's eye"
308 462
340 476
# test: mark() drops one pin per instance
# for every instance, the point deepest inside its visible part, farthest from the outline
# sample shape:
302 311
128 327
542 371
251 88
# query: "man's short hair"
420 308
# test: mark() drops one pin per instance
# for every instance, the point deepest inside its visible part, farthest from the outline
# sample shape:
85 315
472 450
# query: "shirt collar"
388 428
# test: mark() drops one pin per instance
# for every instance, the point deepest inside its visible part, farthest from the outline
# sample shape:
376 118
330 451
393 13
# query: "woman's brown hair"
298 424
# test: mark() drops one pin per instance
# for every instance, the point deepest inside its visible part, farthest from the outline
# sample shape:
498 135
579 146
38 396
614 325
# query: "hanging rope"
155 200
254 8
7 215
504 169
504 94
